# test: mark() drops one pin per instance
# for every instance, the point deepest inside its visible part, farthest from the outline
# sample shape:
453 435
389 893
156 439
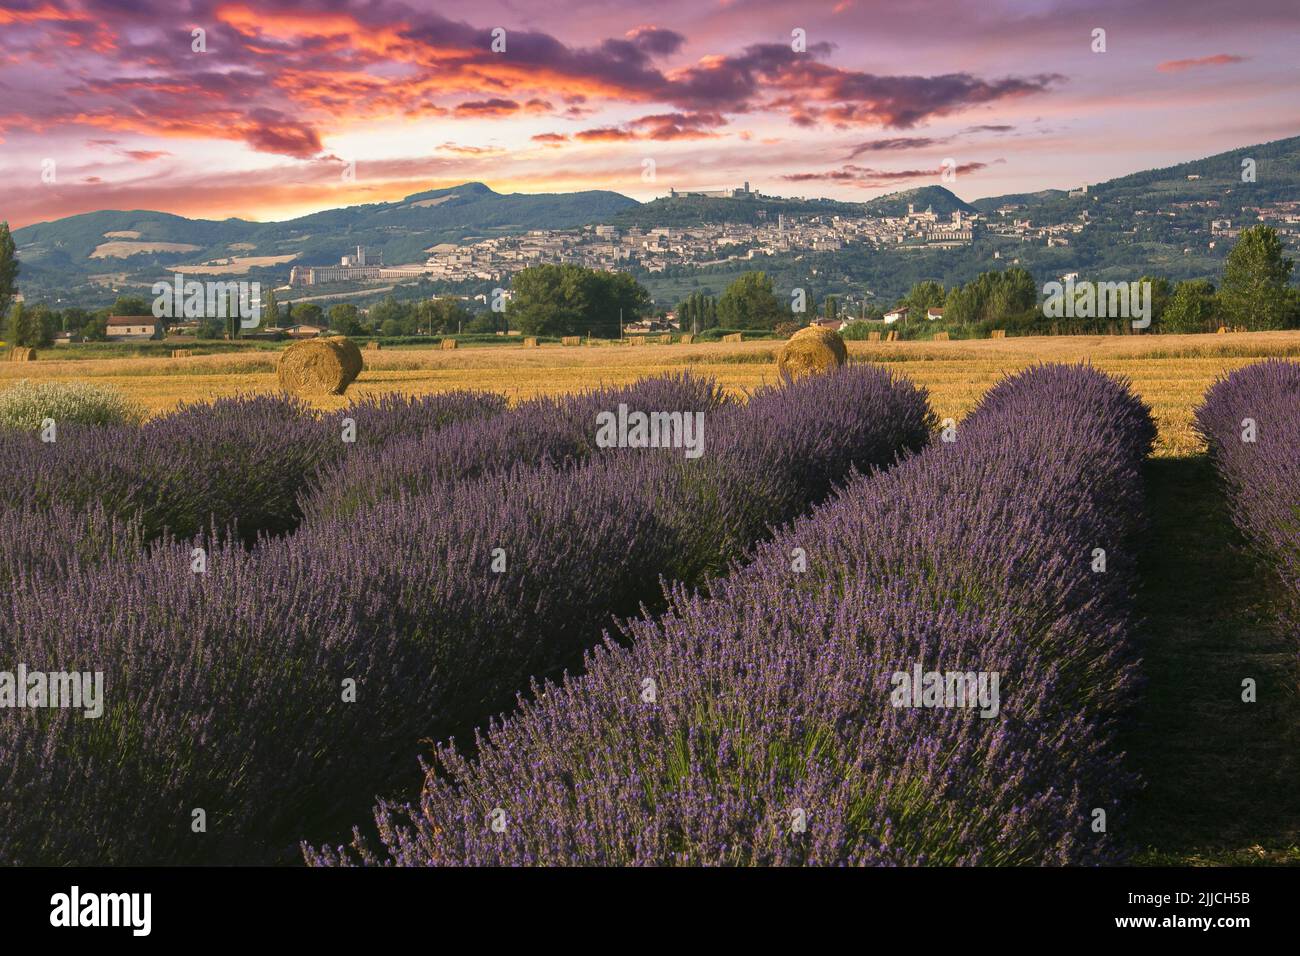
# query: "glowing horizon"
265 123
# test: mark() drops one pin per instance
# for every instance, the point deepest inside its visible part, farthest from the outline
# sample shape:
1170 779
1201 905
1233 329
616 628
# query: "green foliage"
485 322
750 303
131 305
1254 294
697 312
442 314
8 269
270 310
25 405
210 328
1192 308
991 297
571 300
95 329
306 313
26 327
343 318
923 296
859 330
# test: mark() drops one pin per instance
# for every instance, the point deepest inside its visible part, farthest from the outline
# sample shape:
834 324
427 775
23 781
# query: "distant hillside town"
655 249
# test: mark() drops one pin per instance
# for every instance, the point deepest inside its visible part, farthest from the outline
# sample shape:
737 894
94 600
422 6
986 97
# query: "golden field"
1171 372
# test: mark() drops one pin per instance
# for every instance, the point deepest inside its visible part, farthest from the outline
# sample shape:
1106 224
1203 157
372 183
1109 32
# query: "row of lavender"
1251 423
245 462
775 721
274 691
252 466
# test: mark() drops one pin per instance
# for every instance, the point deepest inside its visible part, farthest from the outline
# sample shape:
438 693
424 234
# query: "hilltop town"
655 249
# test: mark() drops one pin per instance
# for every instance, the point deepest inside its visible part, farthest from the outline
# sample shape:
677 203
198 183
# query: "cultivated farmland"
1169 372
937 606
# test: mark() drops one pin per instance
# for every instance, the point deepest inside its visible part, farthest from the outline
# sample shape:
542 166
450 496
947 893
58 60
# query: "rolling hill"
67 252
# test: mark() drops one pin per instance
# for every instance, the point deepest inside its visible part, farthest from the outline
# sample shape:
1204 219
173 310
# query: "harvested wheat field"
1171 372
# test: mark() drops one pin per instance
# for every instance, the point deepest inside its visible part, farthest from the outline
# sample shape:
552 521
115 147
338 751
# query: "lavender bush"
233 463
755 725
383 418
51 544
228 690
1251 423
544 431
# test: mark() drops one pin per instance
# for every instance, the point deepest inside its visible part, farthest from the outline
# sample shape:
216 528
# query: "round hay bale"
20 354
351 355
813 349
314 367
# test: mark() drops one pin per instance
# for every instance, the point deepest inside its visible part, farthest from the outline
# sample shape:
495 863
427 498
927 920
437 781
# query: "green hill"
62 254
687 211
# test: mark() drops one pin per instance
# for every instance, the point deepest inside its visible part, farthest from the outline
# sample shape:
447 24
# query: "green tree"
1161 292
991 297
572 300
270 310
750 303
73 320
306 313
131 305
210 327
391 313
8 269
443 314
1255 293
1192 308
343 318
25 328
483 323
46 322
924 296
96 329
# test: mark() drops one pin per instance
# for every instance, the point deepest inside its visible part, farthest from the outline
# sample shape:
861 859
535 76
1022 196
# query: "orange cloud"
1219 59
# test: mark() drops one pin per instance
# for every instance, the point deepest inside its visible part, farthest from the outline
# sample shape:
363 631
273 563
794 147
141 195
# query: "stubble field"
1171 372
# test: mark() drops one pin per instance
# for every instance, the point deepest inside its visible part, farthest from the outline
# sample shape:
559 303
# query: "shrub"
771 738
235 463
25 405
1251 423
392 416
553 431
50 545
244 715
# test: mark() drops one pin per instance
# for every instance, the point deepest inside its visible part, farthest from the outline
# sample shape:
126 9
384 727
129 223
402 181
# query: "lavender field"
814 626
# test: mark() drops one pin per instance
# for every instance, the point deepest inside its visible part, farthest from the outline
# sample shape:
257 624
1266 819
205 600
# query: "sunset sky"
264 123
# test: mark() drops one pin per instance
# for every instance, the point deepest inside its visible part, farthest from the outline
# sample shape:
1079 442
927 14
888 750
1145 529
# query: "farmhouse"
895 315
933 314
129 328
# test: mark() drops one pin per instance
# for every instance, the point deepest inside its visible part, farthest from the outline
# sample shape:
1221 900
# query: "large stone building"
740 192
362 265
